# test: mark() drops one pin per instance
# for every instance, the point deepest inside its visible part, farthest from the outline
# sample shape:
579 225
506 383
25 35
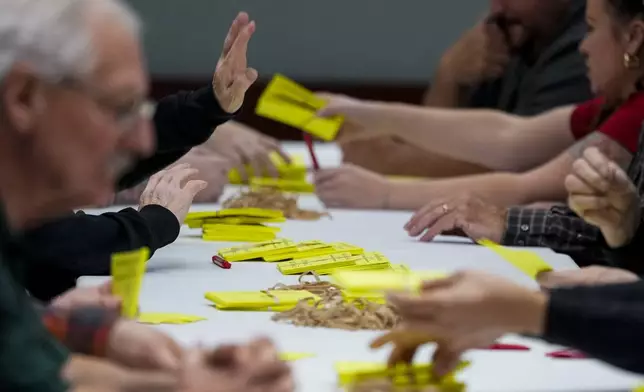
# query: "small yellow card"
373 296
225 228
262 249
295 170
127 269
235 212
306 250
417 374
291 357
383 280
364 262
294 267
286 185
168 318
238 237
274 300
528 262
287 102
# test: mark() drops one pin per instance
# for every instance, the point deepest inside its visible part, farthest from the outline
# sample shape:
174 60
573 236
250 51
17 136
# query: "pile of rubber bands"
272 199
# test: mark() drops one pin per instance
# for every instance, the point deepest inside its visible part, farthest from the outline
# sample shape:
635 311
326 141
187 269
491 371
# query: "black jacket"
80 244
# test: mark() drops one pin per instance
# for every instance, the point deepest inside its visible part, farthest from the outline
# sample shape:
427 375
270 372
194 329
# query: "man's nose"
140 141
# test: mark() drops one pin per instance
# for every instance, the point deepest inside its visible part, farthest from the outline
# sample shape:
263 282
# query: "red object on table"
567 354
309 143
508 347
221 262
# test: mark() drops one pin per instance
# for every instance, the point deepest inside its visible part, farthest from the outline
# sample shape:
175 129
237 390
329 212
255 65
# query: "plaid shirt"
563 231
83 330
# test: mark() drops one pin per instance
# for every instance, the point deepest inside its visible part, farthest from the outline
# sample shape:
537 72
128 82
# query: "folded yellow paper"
286 185
127 269
273 300
235 212
257 251
291 357
299 266
528 262
354 372
285 101
225 228
305 250
365 262
167 318
383 280
295 170
238 237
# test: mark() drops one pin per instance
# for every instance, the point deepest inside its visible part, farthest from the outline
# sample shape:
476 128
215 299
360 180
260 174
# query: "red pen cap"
221 262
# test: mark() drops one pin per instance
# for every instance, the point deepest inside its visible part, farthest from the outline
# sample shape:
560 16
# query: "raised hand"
232 76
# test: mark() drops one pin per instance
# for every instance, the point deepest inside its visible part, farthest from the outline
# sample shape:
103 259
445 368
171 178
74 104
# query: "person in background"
68 68
181 121
483 206
522 59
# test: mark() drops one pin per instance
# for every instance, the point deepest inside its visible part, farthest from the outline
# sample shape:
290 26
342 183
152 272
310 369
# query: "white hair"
54 37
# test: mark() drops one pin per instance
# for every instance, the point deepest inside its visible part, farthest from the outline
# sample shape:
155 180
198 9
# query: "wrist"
532 313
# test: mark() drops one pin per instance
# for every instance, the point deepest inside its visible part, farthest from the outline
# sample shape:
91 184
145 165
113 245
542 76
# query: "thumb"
436 284
195 186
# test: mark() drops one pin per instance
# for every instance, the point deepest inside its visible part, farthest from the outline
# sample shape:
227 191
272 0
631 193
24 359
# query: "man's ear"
635 38
23 98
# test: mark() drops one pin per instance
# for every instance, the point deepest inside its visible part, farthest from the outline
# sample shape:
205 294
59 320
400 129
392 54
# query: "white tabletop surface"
179 275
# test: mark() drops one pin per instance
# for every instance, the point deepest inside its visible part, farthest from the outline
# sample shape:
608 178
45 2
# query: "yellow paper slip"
373 296
354 372
222 228
295 170
233 220
316 250
291 357
235 212
399 267
305 247
261 249
383 280
262 301
639 389
294 267
367 261
168 318
528 262
238 237
127 271
285 185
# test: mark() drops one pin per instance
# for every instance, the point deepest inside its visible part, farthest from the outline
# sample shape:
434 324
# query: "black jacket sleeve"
606 322
80 244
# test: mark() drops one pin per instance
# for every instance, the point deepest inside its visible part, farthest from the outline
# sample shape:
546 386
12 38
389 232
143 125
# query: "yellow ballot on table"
256 251
286 185
127 269
168 318
235 212
350 373
364 262
294 170
305 250
226 228
373 296
300 266
271 300
527 261
287 102
238 237
383 280
291 357
639 389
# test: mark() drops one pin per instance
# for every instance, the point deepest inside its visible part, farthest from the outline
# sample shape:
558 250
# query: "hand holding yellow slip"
527 261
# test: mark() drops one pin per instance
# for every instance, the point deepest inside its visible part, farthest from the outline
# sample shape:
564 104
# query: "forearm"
484 137
499 188
89 373
445 92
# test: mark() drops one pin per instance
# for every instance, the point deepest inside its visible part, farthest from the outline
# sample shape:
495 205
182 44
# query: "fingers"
242 82
240 22
446 222
239 47
586 202
195 186
445 360
596 178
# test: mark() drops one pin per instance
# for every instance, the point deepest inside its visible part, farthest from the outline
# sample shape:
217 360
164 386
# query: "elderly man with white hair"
73 118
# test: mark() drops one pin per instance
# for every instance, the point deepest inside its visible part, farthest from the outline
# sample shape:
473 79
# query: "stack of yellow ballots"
280 250
260 301
373 285
416 375
291 175
238 224
289 103
328 264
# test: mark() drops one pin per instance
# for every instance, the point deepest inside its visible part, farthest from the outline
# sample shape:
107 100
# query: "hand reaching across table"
589 276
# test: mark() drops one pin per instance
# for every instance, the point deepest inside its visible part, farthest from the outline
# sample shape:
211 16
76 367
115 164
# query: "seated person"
82 244
478 205
522 59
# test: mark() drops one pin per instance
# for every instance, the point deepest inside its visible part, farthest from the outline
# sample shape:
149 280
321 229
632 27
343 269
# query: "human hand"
601 193
213 169
468 214
80 297
232 76
465 311
139 346
481 54
171 189
252 367
360 120
351 186
242 145
589 276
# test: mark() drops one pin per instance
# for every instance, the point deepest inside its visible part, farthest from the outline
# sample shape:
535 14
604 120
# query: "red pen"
567 354
309 143
221 262
508 347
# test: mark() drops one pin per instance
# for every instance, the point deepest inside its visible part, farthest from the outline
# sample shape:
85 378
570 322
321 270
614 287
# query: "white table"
179 275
